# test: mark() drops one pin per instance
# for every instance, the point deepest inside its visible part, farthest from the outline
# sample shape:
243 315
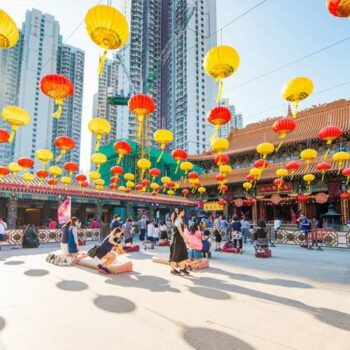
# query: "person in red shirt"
52 224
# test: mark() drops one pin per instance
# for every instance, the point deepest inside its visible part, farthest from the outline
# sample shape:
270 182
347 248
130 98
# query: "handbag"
93 251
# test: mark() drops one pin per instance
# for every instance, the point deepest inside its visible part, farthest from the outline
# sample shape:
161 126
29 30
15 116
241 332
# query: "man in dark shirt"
116 222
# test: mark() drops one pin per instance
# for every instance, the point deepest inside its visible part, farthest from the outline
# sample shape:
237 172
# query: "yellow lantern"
170 192
255 172
154 186
220 62
308 178
130 184
308 155
55 171
129 177
201 190
94 175
98 159
15 116
176 186
9 33
44 155
107 28
15 168
265 148
28 178
99 127
341 157
165 179
247 186
225 169
121 188
99 187
143 164
186 167
66 180
296 90
219 145
163 137
282 173
99 182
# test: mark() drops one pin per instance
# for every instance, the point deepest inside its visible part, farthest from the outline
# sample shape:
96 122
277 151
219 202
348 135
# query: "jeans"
195 254
142 234
245 232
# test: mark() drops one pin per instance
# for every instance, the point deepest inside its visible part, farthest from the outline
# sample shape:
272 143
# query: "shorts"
164 235
128 240
218 237
2 237
155 240
195 254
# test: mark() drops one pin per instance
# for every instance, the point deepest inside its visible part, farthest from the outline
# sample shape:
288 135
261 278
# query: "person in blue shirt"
305 225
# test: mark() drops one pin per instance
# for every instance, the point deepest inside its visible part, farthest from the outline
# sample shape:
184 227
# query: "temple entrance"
32 216
283 212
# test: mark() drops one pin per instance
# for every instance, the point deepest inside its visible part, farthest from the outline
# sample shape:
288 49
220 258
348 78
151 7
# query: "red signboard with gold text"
271 188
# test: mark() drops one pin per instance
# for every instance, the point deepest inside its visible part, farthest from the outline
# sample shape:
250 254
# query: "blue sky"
275 33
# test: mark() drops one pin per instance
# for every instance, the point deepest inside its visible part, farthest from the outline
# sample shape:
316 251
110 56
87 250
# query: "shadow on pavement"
139 256
209 339
331 317
72 286
210 293
36 272
271 281
2 323
137 280
114 304
14 262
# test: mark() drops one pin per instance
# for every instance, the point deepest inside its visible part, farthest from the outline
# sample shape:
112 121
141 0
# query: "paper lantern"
122 148
121 188
255 172
293 167
193 175
66 180
57 87
14 168
107 28
180 155
26 163
261 163
222 158
201 190
71 167
346 172
296 90
84 184
248 202
265 148
308 178
165 180
278 183
99 127
247 186
42 174
250 178
163 137
344 196
154 186
100 182
143 164
220 177
283 127
127 190
218 116
219 145
44 155
220 62
170 184
9 33
221 202
65 144
114 179
282 172
154 173
112 186
186 167
142 106
339 8
129 177
323 167
170 192
303 198
4 136
80 178
99 187
145 183
55 171
307 155
225 169
138 187
117 170
94 175
341 158
224 188
98 159
28 178
16 117
329 134
130 184
4 171
52 182
185 192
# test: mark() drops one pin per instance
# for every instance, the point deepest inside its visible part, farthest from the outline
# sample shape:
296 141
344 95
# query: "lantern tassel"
327 152
13 132
279 146
119 158
347 180
102 63
294 114
161 154
177 167
221 87
215 134
58 112
59 157
339 167
322 175
98 142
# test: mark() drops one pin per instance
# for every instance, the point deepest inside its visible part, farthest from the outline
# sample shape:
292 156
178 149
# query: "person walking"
245 229
276 226
64 238
178 249
217 232
53 224
195 242
73 242
127 231
3 228
94 224
143 227
305 226
237 234
116 222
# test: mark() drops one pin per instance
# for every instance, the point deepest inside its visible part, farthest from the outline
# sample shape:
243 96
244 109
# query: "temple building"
264 200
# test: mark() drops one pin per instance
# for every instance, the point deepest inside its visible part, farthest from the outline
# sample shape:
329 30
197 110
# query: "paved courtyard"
298 299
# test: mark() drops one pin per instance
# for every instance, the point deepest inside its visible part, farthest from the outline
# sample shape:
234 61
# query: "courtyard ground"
297 299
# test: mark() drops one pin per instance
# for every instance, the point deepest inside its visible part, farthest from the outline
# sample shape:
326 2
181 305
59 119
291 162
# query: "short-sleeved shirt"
143 224
127 230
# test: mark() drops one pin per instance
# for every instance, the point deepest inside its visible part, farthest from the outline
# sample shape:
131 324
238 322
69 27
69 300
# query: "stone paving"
297 299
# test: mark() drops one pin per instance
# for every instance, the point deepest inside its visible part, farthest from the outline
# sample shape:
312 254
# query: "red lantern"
81 178
193 175
84 184
57 87
224 188
250 178
344 196
329 134
113 186
220 177
303 198
185 192
114 179
42 173
65 144
145 183
221 201
218 116
4 136
221 159
138 187
154 172
283 127
170 184
261 163
248 202
123 149
26 163
117 170
71 167
346 172
179 155
323 167
4 171
127 190
52 182
278 183
293 167
339 8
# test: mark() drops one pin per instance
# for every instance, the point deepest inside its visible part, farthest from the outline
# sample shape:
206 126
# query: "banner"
271 188
64 211
210 206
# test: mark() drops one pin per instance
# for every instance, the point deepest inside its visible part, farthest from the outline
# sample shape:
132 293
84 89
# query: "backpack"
205 245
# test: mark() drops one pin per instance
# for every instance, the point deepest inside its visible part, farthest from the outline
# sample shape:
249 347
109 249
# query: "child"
206 244
195 242
163 232
150 229
251 232
155 234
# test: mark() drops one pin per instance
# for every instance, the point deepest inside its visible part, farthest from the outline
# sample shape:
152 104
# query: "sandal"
175 272
185 272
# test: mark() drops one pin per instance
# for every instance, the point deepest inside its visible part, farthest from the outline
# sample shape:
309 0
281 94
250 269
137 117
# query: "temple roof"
309 123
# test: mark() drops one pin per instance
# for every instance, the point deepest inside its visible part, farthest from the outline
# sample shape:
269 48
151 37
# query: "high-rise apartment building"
236 121
10 74
70 63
